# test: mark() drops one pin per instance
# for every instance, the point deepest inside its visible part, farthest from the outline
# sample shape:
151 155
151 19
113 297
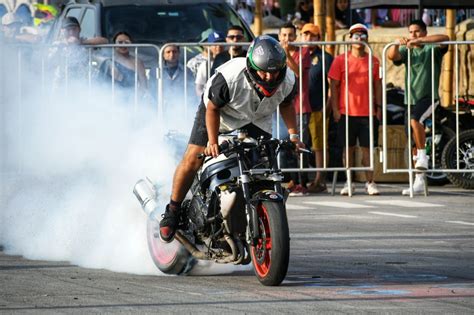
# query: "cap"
310 27
359 27
70 22
216 37
10 18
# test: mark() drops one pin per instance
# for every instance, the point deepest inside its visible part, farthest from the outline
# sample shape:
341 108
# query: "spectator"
358 106
345 16
235 34
175 78
286 36
194 63
311 33
304 11
11 25
68 57
124 66
204 69
70 34
420 45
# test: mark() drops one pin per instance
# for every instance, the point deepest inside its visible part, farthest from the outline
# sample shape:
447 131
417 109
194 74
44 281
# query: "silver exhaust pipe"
147 195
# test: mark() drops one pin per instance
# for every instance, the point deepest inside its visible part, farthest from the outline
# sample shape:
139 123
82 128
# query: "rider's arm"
212 122
287 111
218 96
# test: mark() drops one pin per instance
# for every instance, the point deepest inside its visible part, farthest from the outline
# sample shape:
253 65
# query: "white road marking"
393 214
460 222
296 207
405 203
337 204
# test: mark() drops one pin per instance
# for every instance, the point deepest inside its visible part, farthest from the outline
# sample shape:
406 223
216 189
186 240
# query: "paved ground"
386 254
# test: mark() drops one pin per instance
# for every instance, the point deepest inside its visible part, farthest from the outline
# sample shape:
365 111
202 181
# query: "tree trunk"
319 14
330 24
447 98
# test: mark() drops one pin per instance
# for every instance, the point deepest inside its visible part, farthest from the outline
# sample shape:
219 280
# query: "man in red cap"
357 108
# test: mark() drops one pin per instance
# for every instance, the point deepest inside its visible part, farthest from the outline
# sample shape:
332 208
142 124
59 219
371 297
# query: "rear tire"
170 258
466 159
271 255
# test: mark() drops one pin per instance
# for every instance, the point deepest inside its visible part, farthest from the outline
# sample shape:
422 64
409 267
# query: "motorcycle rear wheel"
171 258
466 159
270 256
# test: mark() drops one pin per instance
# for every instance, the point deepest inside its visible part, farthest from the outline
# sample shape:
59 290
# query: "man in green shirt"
419 47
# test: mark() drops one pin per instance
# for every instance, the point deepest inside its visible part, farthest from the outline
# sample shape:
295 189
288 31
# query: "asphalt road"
384 254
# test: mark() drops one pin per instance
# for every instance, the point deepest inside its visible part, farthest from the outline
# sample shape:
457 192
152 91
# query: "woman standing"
124 67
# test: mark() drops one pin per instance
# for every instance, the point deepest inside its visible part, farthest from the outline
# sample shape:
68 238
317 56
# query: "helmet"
266 54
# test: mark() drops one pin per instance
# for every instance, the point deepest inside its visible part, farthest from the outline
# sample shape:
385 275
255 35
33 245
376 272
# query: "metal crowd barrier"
410 168
348 169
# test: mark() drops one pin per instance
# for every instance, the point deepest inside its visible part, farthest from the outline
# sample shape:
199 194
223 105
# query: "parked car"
151 21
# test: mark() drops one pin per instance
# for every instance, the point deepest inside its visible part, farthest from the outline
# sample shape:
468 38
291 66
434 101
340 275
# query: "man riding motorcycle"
242 94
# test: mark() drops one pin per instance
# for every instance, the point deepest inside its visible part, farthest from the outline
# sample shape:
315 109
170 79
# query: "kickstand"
334 180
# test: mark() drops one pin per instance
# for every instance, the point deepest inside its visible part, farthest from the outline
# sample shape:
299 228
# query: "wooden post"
330 24
258 23
319 16
447 96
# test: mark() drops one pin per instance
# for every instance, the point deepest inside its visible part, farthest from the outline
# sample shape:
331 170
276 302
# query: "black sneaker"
169 224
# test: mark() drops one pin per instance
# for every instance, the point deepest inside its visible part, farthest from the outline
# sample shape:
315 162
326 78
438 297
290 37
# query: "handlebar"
227 146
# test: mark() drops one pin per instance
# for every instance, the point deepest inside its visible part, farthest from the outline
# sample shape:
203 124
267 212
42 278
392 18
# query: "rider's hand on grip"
214 149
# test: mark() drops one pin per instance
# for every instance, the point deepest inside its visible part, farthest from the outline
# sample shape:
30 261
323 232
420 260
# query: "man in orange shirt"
358 105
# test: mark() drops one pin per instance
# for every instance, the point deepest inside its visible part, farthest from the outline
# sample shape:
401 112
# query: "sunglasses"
124 42
237 37
359 36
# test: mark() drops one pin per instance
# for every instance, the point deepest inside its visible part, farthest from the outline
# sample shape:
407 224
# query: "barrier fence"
155 72
410 168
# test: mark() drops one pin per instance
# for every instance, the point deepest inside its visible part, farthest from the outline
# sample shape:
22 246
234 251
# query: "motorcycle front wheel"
270 256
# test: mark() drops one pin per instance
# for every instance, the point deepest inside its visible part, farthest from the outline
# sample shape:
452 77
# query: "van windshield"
170 23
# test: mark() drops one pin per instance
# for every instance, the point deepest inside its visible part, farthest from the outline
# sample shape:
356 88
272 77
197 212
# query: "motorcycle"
235 213
449 155
441 146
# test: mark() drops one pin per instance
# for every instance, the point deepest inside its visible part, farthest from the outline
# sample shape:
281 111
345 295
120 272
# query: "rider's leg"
184 175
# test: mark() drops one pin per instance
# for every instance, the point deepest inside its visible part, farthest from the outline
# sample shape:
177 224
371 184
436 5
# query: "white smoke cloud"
69 163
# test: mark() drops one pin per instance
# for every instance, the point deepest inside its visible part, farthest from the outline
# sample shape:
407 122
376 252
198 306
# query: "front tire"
271 254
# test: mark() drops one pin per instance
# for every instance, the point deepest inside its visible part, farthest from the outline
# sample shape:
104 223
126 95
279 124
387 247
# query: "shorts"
316 130
422 109
199 132
358 130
